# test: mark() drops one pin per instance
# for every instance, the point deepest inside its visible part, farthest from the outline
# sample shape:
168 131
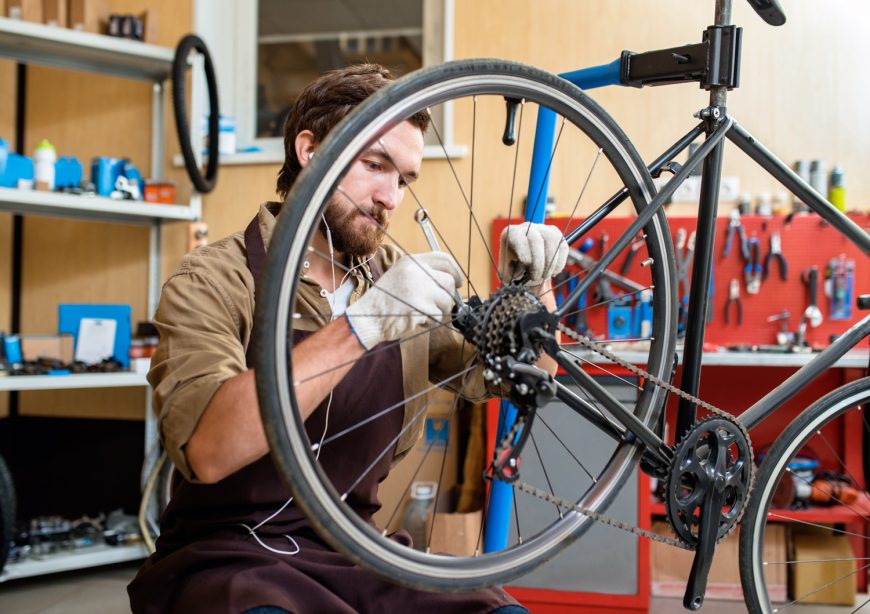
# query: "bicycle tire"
798 436
204 183
291 449
7 512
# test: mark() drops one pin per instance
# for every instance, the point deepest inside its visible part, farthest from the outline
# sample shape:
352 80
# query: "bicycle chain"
603 518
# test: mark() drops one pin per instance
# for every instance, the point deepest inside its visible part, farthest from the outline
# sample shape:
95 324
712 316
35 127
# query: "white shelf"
58 204
33 43
74 380
90 556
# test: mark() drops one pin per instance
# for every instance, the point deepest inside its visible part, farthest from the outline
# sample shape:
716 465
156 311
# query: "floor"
103 591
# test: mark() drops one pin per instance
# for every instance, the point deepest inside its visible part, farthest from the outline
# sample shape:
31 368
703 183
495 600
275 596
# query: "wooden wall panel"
799 91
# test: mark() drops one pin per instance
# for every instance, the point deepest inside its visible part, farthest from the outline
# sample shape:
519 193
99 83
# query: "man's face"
374 185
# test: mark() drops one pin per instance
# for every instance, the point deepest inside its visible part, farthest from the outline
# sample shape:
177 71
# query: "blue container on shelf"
105 172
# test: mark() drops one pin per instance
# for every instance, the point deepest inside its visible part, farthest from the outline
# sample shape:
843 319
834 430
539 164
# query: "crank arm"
708 532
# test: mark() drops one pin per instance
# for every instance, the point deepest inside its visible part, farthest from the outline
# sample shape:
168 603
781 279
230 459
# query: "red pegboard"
806 241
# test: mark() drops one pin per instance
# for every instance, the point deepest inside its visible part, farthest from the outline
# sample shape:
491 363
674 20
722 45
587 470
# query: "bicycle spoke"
810 484
516 161
429 449
824 439
582 191
439 386
389 446
568 450
420 206
467 201
818 526
821 588
546 174
471 188
544 469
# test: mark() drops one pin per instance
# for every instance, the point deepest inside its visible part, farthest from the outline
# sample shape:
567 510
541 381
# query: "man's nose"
387 194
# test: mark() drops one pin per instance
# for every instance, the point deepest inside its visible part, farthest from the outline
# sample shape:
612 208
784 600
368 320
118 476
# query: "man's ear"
305 145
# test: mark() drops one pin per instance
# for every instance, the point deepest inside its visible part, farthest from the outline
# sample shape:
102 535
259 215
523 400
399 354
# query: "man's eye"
402 183
371 165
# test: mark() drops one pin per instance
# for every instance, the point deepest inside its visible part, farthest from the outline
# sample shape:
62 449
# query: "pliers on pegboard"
752 272
734 224
734 299
776 252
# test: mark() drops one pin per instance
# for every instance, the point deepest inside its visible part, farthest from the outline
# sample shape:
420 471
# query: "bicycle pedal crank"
707 491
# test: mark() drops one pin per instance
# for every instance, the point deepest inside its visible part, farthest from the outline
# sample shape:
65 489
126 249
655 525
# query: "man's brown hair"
323 103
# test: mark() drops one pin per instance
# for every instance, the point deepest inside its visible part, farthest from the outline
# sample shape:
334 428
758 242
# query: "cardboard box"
670 567
54 13
442 434
26 10
813 544
56 347
457 534
88 15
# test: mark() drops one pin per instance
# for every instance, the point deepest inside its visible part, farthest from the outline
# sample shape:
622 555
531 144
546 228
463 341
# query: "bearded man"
231 539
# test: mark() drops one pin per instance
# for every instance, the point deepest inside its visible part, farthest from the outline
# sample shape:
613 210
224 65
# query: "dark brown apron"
207 562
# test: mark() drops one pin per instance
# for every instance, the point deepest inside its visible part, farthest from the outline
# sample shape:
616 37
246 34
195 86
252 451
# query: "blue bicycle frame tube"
500 493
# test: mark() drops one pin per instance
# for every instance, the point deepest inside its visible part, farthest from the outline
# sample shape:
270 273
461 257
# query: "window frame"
229 28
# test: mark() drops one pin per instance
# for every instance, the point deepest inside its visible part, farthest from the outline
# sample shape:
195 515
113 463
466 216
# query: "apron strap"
256 255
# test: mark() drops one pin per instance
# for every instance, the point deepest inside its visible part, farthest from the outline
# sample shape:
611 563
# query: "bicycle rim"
804 496
587 138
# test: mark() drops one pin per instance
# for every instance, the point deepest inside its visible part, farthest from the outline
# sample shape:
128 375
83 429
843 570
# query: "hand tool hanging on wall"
203 183
776 253
752 271
734 299
735 225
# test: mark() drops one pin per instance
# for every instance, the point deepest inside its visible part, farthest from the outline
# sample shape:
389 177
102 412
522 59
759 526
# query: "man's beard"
346 239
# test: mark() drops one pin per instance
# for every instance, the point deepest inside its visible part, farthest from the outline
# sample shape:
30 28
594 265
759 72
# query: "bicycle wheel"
805 490
592 160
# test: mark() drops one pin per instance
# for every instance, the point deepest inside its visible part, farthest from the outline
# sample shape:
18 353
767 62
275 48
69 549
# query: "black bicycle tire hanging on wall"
203 183
7 512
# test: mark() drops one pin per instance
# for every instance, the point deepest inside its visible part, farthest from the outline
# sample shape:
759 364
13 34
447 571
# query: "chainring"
692 474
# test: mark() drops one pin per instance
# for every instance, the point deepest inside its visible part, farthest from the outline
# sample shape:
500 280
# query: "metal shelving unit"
32 43
69 560
57 204
74 381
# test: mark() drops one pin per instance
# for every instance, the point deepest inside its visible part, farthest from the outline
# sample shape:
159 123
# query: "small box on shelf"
88 15
54 13
25 10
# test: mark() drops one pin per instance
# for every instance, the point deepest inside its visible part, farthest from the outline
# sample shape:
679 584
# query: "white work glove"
416 292
528 248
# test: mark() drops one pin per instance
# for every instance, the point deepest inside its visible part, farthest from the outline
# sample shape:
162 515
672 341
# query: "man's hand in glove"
416 292
534 251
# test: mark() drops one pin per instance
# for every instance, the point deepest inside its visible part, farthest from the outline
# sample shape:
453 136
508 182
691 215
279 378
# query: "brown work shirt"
205 318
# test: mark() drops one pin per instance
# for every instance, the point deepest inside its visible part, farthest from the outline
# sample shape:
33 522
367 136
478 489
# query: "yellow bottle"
837 193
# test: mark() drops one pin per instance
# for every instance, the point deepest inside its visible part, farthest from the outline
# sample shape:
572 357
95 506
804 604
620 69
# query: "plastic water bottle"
416 519
43 167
